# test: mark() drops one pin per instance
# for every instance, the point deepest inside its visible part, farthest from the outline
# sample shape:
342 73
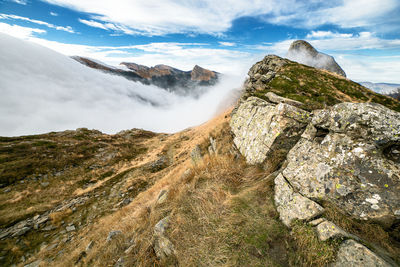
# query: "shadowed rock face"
163 76
306 54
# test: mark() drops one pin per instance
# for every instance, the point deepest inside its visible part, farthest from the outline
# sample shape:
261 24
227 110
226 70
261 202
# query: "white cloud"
45 91
327 34
227 44
108 26
18 31
54 14
21 2
59 28
347 14
154 17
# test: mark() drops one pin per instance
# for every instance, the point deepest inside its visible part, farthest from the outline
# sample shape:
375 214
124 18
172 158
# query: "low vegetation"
318 89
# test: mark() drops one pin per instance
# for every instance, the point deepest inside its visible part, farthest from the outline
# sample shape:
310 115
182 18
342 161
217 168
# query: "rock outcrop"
304 53
262 128
346 155
349 156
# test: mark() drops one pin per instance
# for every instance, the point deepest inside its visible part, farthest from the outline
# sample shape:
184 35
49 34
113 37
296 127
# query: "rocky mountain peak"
304 53
200 74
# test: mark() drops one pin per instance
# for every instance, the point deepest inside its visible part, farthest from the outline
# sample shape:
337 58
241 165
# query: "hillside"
290 177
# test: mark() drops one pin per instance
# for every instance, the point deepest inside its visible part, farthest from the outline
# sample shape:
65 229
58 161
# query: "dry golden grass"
57 217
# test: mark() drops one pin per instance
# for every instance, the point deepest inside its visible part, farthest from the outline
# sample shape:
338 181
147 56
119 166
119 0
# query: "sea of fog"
42 91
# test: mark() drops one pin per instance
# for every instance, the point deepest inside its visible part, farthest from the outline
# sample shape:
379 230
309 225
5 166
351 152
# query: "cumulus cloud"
45 91
19 31
154 17
39 22
54 14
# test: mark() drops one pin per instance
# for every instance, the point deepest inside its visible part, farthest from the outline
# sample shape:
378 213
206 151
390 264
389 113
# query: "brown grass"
57 217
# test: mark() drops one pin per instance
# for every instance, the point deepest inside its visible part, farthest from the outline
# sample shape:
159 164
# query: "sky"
227 36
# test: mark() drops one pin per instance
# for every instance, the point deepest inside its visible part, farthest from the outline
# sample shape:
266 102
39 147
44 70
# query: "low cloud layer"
44 91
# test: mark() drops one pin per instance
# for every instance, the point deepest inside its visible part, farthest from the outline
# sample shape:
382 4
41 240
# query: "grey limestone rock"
353 254
346 157
261 128
292 205
327 230
304 53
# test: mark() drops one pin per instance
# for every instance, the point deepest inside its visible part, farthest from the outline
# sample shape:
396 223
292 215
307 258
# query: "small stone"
317 221
53 246
130 249
70 228
196 155
89 246
162 196
44 184
7 190
43 219
124 202
274 98
113 234
21 231
161 226
327 230
33 264
120 263
163 247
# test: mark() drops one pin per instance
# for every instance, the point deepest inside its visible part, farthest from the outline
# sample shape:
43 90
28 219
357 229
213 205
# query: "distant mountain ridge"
383 88
163 76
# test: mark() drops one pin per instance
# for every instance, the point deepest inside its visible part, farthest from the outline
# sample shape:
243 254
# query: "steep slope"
304 53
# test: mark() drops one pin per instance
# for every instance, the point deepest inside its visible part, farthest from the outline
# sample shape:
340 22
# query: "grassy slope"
319 88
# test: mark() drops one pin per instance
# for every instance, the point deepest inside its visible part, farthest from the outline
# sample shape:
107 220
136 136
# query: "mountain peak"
304 53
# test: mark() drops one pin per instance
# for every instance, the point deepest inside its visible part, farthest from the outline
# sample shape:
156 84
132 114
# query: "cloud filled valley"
45 91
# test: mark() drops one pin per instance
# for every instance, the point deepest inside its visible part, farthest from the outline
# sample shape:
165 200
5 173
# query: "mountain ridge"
161 75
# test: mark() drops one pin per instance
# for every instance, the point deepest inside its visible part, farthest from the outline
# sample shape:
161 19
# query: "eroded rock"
262 129
327 230
342 158
353 254
292 205
163 247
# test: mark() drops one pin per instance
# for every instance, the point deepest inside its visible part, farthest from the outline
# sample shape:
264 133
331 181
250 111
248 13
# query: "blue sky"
225 35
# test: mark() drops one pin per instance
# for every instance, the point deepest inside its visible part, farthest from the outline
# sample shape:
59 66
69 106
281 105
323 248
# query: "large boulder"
349 155
304 53
262 129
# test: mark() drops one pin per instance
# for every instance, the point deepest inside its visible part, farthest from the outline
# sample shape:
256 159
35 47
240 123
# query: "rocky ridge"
163 76
345 156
